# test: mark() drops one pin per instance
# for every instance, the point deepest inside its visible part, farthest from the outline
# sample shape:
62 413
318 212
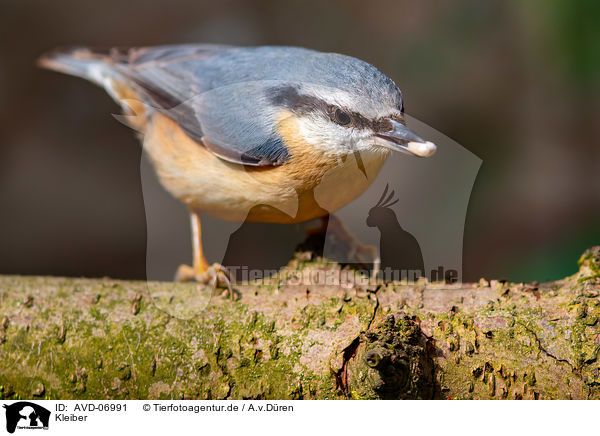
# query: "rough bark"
94 339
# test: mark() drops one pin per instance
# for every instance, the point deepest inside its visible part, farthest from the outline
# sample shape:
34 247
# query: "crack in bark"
230 388
543 350
376 306
341 376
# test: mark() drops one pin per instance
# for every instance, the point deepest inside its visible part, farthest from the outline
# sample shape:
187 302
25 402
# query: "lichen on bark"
66 338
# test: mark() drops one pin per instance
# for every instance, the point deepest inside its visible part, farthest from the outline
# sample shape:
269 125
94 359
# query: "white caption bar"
295 417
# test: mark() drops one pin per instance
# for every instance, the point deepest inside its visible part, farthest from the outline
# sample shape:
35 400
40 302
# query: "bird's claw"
356 251
362 253
216 276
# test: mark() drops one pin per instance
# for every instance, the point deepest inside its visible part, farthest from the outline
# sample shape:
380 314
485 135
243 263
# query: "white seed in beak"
422 149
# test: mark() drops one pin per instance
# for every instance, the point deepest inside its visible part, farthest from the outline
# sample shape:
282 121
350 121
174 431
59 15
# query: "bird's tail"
102 68
79 61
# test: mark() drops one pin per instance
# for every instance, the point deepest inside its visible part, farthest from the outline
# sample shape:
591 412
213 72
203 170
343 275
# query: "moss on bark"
95 339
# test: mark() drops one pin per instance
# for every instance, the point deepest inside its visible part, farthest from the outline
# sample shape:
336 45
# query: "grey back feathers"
226 97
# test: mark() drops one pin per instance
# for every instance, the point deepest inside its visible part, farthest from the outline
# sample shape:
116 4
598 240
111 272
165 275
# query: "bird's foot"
356 251
216 276
363 254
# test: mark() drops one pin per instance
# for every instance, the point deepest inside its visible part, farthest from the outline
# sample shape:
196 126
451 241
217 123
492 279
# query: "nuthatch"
264 134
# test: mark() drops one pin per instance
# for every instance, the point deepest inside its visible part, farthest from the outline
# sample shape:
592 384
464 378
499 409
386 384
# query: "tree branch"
95 339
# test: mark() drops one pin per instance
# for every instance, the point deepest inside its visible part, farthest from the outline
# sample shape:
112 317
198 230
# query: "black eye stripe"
289 97
361 122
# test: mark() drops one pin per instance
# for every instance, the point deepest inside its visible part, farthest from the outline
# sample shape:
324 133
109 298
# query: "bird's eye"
341 117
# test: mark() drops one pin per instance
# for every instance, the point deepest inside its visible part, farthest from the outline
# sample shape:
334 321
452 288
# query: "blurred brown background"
517 83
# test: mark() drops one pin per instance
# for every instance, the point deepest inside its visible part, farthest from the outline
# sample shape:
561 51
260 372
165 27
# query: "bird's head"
348 106
382 213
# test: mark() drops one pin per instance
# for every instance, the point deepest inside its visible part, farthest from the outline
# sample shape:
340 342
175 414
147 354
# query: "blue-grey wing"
205 90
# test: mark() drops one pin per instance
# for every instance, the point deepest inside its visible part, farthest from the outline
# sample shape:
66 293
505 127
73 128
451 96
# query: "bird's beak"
401 138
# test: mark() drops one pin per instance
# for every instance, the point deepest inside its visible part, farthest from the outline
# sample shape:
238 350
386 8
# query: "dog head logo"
26 415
